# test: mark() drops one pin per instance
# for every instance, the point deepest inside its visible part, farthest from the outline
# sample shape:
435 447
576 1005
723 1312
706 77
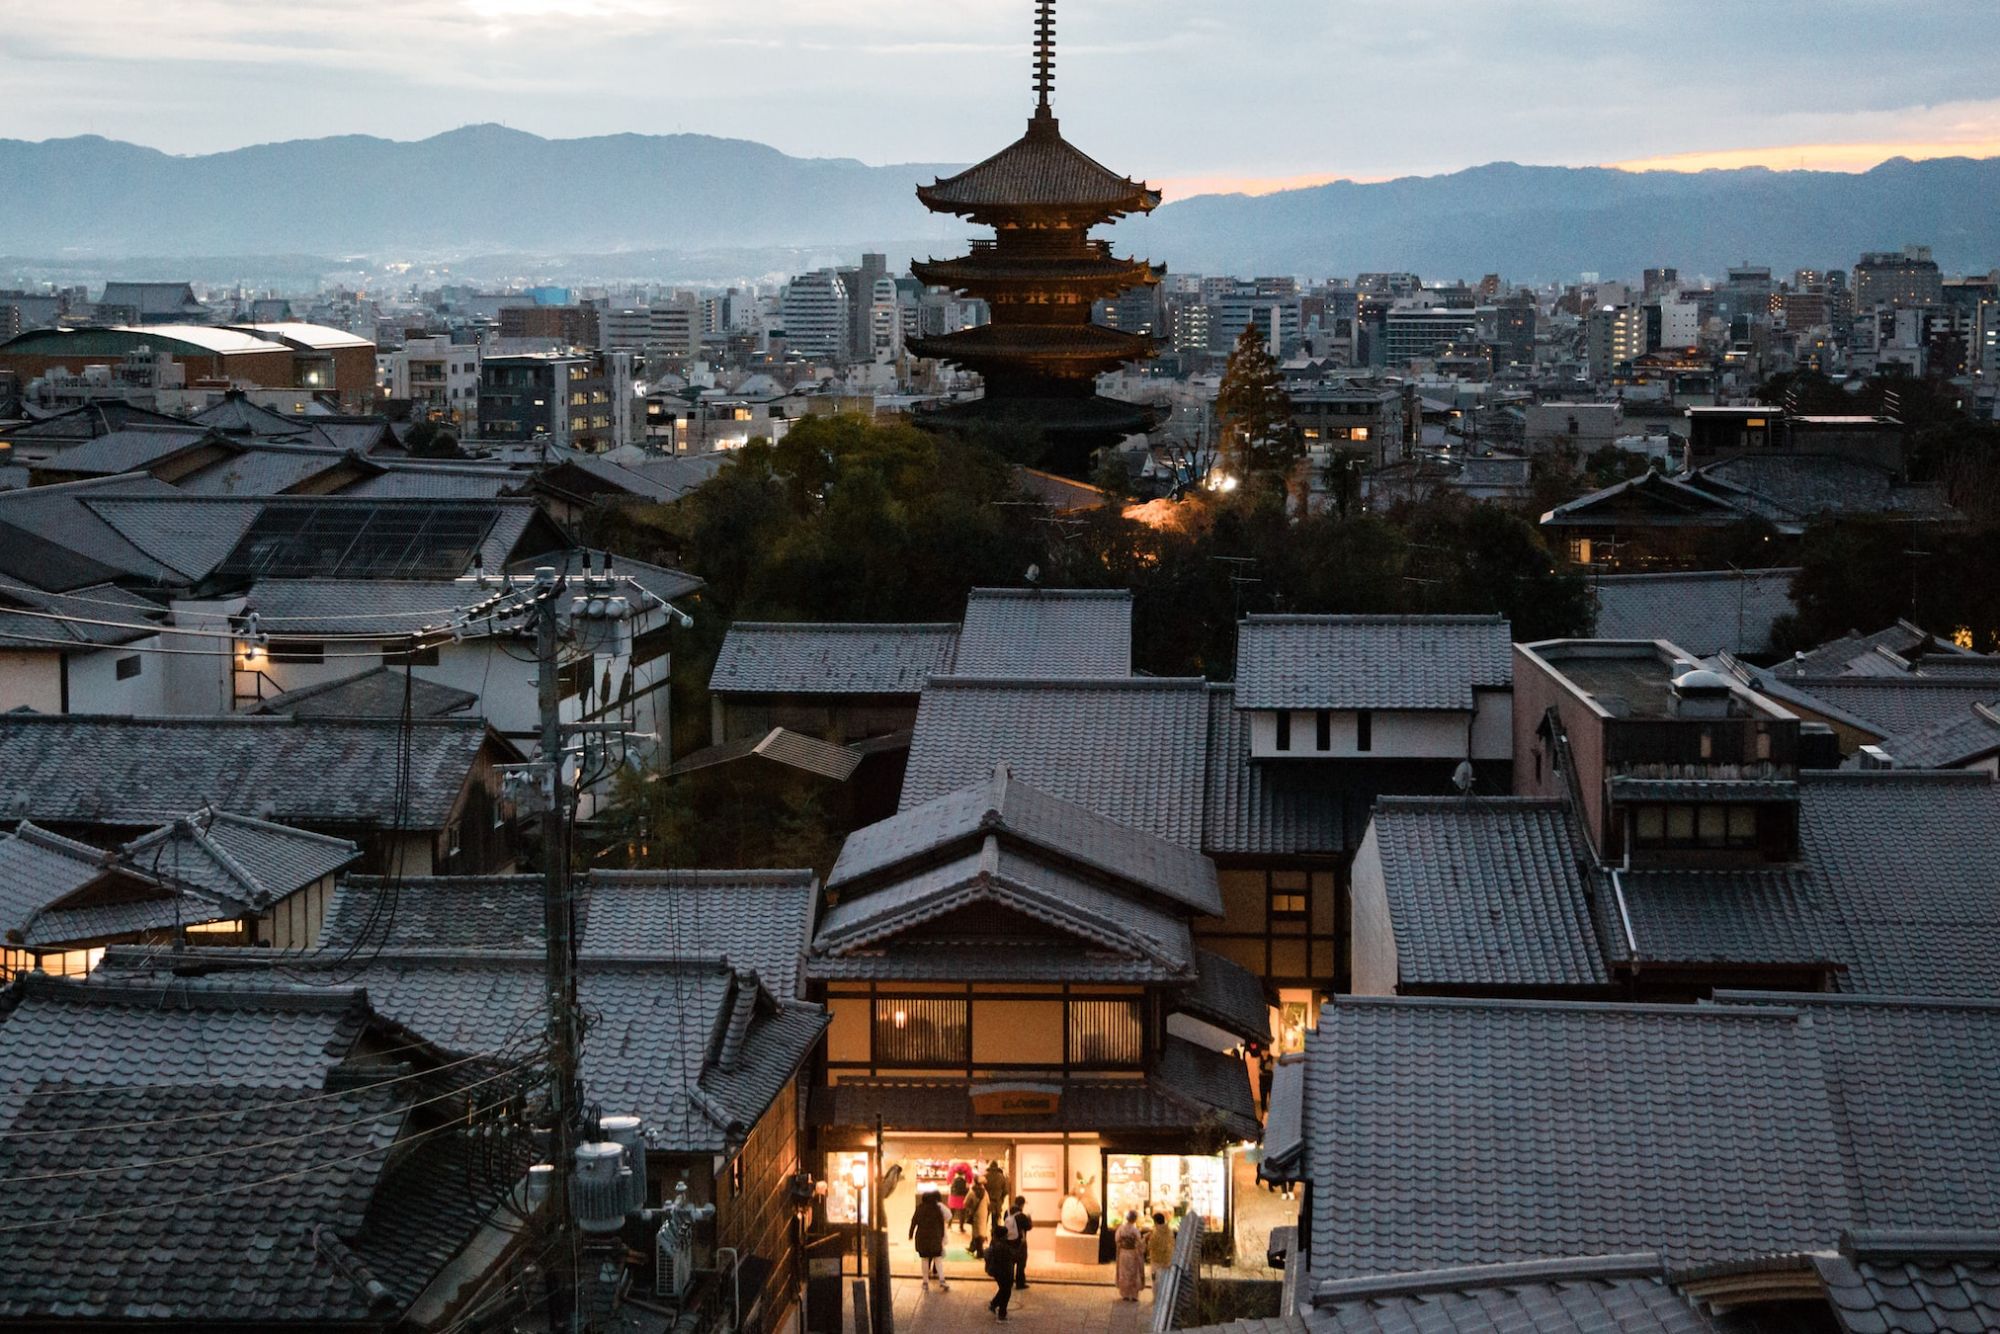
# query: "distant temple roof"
1041 169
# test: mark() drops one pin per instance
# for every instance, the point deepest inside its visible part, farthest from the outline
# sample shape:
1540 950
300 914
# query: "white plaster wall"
1438 734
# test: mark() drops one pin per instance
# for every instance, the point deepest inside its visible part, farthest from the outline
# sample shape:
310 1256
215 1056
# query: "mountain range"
689 207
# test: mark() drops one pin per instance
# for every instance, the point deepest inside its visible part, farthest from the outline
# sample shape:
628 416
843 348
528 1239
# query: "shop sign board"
1016 1099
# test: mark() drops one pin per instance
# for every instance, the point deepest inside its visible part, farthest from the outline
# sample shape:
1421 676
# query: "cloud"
1255 95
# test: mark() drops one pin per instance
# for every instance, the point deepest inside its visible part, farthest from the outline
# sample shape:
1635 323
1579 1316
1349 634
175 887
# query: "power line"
320 616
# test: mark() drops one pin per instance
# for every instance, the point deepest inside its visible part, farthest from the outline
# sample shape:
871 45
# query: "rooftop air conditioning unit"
1874 757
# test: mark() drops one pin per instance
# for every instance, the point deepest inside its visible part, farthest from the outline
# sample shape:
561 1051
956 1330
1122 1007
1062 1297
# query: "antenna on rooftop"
1045 53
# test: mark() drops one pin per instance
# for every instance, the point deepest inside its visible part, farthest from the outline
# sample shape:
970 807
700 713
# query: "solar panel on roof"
296 541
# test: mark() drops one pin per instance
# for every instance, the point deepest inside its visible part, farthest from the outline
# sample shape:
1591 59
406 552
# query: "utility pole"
559 928
589 608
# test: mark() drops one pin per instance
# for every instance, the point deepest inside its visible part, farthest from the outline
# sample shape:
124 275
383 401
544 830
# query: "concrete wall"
1374 938
95 686
31 679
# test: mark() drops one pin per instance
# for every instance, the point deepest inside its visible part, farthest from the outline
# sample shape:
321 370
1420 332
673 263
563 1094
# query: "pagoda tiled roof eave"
1115 275
1039 173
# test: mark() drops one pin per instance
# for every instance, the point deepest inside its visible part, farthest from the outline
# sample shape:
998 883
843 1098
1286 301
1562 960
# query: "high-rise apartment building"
1613 336
1413 332
818 315
1885 278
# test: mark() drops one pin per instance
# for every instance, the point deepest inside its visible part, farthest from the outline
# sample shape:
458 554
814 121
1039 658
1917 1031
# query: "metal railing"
1175 1297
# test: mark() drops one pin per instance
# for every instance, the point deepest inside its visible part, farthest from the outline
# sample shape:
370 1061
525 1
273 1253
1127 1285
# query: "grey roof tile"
1600 1295
1804 486
238 858
374 693
1446 1133
27 617
1703 611
1004 804
91 769
764 657
67 519
1841 655
264 470
1227 995
134 449
1914 1086
1035 632
37 868
1132 750
1897 1281
1486 888
1370 662
757 920
1955 740
1897 706
187 535
1069 926
1775 916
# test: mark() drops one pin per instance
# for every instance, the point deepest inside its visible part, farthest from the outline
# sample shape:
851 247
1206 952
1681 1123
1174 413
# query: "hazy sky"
1189 93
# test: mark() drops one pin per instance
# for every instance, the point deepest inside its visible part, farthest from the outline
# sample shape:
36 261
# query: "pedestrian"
975 1211
1019 1225
927 1226
1159 1251
961 1185
1000 1268
996 1186
1131 1265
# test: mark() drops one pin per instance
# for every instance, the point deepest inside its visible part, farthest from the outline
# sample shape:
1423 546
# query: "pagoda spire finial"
1045 54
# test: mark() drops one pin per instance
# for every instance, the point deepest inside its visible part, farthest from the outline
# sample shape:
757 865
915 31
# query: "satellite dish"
1462 778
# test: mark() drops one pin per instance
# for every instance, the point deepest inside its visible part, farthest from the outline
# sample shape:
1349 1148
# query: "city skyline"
1198 104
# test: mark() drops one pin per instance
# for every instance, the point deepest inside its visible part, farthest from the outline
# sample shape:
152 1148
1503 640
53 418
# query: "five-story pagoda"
1041 354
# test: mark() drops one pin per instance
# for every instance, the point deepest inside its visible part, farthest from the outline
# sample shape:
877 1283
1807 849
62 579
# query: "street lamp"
857 1176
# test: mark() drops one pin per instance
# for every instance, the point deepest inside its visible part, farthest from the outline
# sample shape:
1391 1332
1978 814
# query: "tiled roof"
160 1225
1040 169
93 769
1896 891
1626 1294
1949 742
780 745
374 693
650 1049
67 518
758 920
1745 916
1019 811
1911 862
1703 611
1894 706
127 451
1803 486
1134 751
184 534
1624 788
1067 927
1913 1281
28 618
1227 995
1914 1084
144 1032
238 858
1039 633
1268 809
1486 888
764 657
37 868
265 470
1446 1133
1838 656
1370 662
398 480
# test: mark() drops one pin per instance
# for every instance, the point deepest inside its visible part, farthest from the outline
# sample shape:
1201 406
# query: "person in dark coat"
996 1187
1000 1268
1019 1225
927 1226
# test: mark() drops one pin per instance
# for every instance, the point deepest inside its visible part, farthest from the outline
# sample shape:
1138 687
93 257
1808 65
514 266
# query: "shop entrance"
1072 1186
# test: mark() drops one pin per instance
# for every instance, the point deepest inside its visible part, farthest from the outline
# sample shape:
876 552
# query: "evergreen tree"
1255 413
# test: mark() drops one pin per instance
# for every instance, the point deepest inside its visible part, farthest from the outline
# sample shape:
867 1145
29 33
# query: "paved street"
1045 1308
